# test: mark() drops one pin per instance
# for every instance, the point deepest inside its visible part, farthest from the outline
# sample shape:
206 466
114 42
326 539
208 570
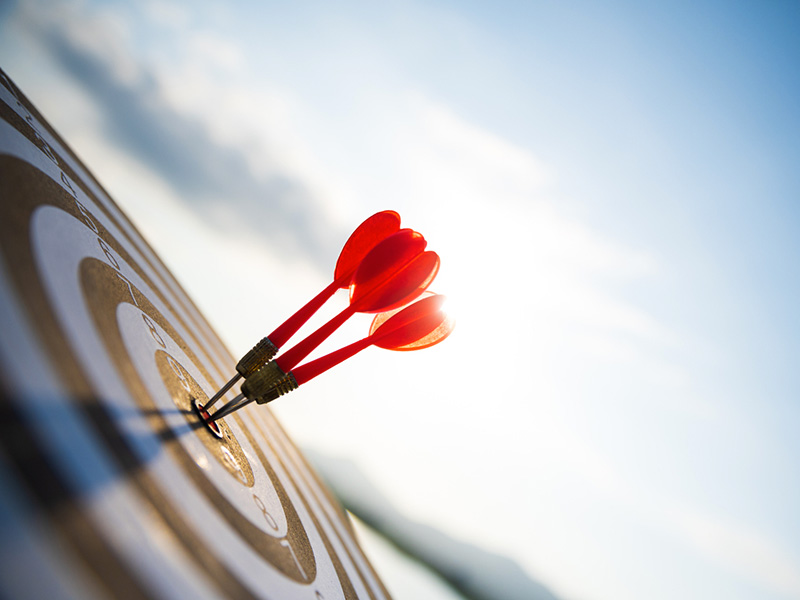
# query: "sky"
612 189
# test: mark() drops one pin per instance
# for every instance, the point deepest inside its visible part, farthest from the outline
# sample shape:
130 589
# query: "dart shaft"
289 327
239 402
222 390
318 366
292 357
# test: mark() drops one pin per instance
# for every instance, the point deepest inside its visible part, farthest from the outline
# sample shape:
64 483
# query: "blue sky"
613 190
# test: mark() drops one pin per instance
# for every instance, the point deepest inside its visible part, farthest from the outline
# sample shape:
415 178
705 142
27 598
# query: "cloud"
181 148
167 14
743 551
216 50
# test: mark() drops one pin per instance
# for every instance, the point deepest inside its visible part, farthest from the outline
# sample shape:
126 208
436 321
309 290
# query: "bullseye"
204 417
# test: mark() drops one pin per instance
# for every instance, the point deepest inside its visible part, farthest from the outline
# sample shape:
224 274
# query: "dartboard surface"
109 485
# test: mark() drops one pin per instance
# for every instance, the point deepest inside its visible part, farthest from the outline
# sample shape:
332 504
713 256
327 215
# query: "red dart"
366 236
417 326
394 272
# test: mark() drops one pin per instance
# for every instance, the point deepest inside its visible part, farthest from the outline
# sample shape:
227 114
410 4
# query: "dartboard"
110 487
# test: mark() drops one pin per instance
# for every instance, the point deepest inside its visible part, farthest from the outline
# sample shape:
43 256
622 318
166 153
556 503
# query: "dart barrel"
257 357
262 381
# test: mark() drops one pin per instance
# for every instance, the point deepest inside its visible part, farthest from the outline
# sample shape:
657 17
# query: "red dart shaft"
289 327
290 358
311 369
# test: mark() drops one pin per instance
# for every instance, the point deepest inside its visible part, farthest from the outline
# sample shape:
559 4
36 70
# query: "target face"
109 484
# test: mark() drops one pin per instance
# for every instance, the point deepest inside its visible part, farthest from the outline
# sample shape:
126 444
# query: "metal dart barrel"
260 354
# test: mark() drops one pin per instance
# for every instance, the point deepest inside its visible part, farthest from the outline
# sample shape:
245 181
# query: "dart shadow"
66 453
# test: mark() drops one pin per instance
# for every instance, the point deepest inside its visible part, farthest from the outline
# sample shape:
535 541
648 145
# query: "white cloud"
167 14
216 51
490 161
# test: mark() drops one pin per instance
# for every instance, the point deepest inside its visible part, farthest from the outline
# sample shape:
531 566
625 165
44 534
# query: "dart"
419 325
365 237
395 271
